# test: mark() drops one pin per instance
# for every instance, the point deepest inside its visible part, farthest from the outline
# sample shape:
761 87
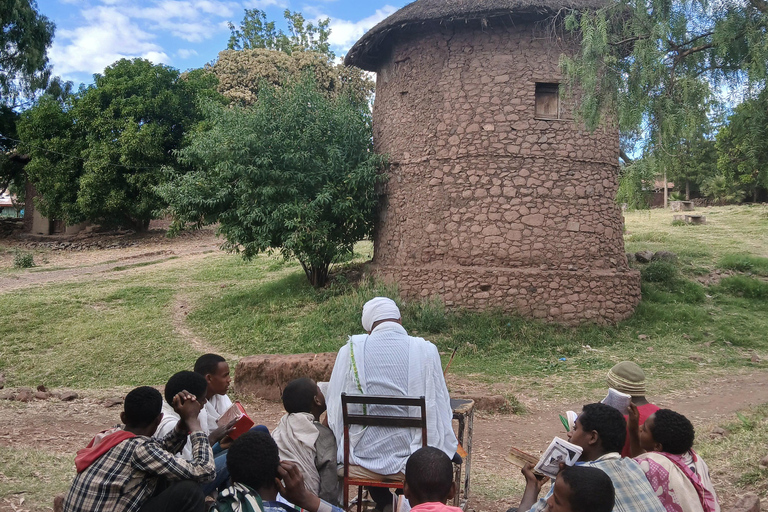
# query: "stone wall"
487 205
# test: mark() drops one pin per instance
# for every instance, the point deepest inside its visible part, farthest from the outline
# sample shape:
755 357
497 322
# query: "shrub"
747 287
23 259
678 222
659 272
427 316
745 263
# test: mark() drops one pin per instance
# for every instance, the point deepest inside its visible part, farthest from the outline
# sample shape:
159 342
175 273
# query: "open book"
558 451
243 423
617 400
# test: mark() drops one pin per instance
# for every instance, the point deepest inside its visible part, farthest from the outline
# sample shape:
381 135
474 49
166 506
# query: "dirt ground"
64 427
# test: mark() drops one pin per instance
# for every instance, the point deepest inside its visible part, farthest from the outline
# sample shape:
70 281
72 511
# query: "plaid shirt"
633 492
125 477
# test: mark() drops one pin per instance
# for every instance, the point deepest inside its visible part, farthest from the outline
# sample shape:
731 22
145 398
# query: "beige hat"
628 378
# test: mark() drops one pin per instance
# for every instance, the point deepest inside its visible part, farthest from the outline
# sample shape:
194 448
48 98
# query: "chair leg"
346 495
359 498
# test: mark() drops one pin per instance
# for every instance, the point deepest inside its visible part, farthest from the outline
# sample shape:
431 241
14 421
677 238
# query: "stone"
58 503
642 337
25 395
764 462
2 380
112 402
68 396
755 358
750 502
664 256
630 257
696 358
644 256
265 376
7 394
42 388
42 395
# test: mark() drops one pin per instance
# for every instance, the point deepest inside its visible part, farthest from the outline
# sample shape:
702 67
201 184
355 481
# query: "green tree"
99 155
660 65
742 146
294 172
256 32
25 36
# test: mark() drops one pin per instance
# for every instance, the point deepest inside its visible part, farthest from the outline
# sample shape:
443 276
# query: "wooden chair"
370 420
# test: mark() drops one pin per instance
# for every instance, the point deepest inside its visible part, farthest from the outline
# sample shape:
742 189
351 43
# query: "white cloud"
345 33
185 53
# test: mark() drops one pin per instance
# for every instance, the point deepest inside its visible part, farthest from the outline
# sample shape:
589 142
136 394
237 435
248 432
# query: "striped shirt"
125 477
633 492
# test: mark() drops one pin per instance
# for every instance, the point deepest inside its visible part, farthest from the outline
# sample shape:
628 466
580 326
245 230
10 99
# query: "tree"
256 32
25 36
294 172
661 65
742 146
98 155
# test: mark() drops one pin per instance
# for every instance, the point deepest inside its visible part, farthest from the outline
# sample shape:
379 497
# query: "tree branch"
760 5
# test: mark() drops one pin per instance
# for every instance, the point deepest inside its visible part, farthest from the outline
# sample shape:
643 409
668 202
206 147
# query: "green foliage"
679 222
256 32
295 172
659 272
742 286
721 190
745 263
636 185
97 155
662 67
23 259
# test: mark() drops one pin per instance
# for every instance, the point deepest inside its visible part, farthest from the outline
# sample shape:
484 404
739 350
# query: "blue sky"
185 34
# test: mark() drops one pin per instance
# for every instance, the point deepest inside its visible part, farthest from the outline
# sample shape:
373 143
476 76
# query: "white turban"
379 308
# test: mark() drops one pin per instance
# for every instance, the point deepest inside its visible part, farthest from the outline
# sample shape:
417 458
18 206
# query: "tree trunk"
687 190
317 275
666 191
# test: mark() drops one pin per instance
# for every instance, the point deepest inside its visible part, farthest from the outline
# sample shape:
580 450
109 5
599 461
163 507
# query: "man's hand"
226 442
294 489
533 483
633 423
219 433
188 408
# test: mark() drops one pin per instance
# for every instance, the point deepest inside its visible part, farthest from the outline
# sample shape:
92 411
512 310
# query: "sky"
185 34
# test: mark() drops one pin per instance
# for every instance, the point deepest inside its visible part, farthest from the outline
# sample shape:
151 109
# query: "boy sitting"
600 431
126 470
215 370
429 481
581 489
302 439
255 467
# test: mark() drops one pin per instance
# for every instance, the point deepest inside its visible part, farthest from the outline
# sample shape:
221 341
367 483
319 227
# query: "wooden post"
666 191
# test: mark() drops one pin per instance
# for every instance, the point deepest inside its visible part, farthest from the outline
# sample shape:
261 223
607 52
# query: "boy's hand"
294 489
633 422
532 478
219 433
226 442
188 408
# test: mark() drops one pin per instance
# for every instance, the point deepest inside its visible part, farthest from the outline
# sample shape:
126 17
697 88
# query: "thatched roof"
373 47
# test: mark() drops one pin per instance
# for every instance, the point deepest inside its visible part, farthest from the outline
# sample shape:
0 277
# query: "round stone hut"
496 197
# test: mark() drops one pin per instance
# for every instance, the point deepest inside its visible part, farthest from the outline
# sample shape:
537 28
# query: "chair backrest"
379 420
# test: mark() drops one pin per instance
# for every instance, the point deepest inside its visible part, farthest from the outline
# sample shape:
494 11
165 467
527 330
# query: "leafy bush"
678 222
721 190
659 272
23 259
742 286
427 316
745 263
636 185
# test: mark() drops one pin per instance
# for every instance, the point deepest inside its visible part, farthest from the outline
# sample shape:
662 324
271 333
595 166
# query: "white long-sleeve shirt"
389 362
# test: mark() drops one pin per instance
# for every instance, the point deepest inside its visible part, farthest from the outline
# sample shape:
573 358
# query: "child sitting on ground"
663 447
256 471
215 370
581 489
429 481
126 470
302 439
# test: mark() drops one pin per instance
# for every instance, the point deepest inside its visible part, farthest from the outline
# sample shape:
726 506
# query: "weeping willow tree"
662 67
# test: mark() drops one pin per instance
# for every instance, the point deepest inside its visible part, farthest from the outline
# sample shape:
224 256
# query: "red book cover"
243 423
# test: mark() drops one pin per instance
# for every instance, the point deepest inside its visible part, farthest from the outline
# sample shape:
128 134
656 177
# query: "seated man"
216 372
581 489
302 439
255 467
429 481
387 361
600 431
195 384
126 470
629 378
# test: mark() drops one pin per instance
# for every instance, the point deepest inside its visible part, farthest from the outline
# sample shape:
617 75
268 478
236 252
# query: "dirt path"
63 428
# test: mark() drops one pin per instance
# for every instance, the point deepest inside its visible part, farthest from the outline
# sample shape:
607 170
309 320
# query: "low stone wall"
570 298
265 376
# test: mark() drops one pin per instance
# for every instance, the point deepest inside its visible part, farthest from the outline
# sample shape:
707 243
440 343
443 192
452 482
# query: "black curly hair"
609 424
591 489
208 364
142 406
429 474
185 381
672 431
299 395
253 460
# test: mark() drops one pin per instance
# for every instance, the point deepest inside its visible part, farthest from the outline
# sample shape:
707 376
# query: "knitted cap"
628 378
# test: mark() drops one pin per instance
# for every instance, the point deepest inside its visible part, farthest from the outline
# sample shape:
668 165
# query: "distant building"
496 197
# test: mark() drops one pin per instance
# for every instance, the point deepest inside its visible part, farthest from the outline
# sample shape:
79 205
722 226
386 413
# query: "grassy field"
711 304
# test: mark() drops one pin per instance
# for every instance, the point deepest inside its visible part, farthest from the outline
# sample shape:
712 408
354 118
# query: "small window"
547 101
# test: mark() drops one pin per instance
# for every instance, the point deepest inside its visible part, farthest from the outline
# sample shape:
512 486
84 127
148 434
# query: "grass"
745 263
34 476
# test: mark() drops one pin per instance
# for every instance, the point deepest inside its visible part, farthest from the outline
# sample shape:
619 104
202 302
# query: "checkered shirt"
633 492
125 477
